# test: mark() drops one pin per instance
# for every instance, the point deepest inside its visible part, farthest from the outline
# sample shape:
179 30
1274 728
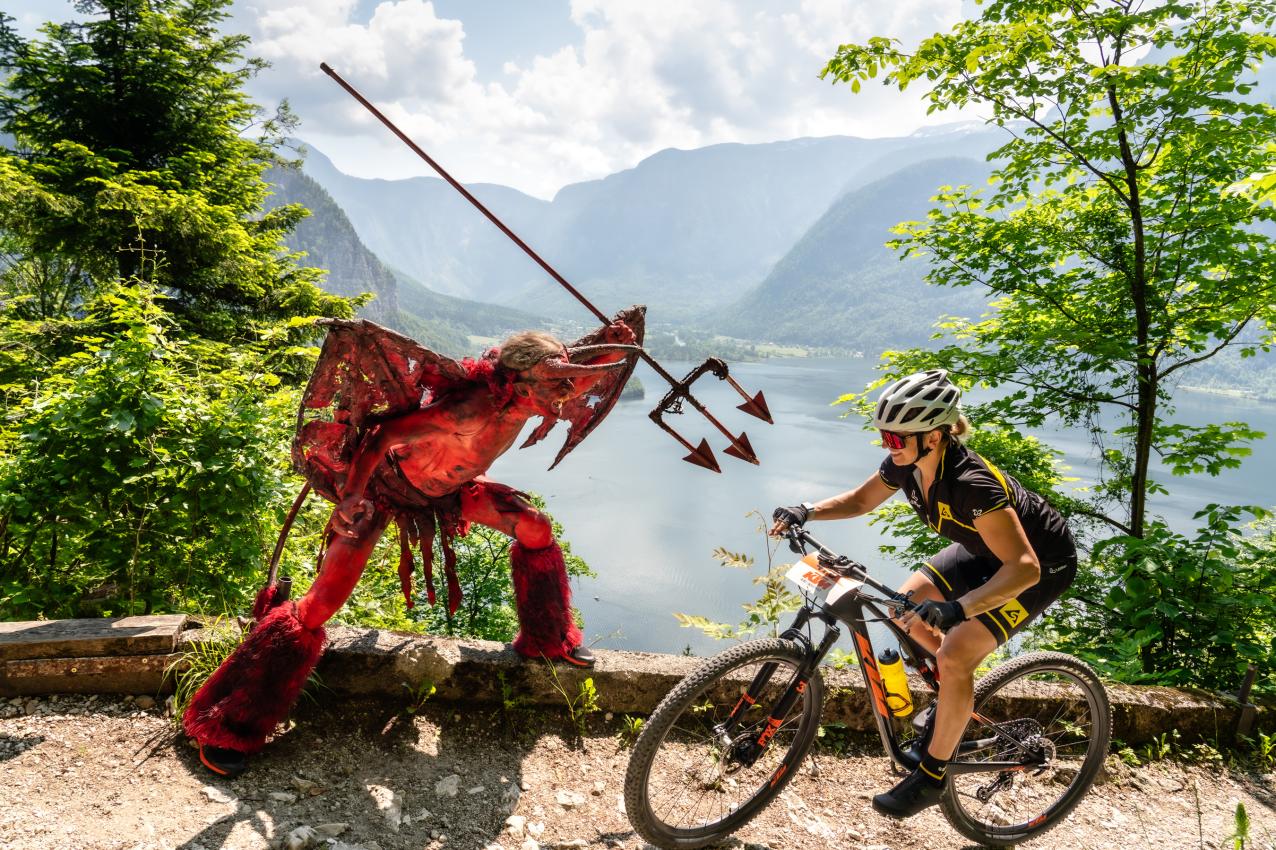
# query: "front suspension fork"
748 750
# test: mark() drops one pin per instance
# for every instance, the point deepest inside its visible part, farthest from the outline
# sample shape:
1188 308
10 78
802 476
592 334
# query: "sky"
537 94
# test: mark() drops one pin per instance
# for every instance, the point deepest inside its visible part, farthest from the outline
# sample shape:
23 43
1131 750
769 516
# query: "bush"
1176 610
138 471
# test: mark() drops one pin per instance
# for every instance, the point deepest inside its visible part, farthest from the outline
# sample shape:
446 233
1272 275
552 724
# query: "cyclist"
1011 556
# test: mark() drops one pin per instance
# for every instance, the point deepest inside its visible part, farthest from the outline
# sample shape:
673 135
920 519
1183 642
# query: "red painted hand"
619 333
350 517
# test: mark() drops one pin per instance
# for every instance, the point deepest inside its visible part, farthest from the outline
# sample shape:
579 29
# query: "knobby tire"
1079 679
684 709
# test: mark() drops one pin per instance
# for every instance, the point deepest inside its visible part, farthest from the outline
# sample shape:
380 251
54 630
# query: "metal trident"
700 455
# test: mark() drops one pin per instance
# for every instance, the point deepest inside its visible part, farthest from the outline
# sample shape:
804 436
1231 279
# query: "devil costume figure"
389 430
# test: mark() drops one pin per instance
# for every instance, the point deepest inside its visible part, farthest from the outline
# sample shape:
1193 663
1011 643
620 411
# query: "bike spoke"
1052 748
695 781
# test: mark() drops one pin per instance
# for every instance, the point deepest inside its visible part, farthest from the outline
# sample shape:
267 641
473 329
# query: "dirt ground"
108 773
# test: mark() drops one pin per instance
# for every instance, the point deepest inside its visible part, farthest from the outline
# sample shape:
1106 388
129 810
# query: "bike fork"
748 751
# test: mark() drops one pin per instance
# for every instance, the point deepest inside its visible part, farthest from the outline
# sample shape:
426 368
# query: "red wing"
586 411
365 372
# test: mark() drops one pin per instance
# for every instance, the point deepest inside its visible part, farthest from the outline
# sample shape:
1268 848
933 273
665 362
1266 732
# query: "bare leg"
961 651
339 572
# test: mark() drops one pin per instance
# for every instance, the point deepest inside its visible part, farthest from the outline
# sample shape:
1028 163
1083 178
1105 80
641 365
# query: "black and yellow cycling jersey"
967 486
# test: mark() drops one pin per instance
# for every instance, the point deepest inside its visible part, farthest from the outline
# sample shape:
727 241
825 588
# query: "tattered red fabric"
417 529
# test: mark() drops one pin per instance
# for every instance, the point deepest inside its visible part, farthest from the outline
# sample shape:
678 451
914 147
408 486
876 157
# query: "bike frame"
851 609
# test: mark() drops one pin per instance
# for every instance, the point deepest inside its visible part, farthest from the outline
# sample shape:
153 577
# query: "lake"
647 522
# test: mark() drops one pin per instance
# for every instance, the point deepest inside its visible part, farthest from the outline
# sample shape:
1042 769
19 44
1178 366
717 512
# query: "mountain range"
782 242
689 233
328 241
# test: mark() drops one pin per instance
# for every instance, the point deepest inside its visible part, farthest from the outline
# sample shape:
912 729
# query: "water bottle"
891 668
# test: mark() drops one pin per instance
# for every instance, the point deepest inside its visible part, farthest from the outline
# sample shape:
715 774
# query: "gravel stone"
113 777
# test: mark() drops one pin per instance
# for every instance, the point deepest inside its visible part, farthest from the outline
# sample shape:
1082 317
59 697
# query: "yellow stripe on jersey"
1001 479
946 513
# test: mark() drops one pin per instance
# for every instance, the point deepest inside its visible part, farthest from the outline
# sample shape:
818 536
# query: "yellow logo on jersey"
946 513
1013 612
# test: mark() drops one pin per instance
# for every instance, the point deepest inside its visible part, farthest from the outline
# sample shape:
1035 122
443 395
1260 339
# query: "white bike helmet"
918 403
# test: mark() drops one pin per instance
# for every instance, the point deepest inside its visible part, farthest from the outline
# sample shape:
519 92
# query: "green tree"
137 475
147 313
135 121
1111 245
1184 610
1123 239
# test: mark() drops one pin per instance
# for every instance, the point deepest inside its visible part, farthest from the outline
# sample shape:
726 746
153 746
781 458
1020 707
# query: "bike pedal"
911 756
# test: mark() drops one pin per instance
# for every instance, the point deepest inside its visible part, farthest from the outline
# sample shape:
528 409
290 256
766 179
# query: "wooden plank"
150 635
120 674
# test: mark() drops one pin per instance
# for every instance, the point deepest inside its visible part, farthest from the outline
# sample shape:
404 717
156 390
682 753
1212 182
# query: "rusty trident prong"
700 455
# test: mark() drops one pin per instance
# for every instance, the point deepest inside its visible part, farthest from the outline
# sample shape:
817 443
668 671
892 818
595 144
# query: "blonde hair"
525 349
958 429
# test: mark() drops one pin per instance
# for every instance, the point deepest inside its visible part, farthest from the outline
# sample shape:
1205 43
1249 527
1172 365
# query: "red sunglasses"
891 440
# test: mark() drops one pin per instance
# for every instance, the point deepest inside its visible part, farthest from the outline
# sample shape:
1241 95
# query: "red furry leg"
543 599
250 694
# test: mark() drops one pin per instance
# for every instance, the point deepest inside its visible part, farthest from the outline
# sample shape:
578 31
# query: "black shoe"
223 762
915 792
579 657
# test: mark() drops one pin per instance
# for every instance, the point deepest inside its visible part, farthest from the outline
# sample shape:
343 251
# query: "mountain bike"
732 734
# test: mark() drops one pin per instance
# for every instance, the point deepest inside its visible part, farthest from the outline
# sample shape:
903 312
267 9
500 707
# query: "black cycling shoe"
223 762
915 792
579 657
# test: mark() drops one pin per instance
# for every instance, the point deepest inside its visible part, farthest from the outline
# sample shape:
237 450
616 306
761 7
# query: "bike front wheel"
690 782
1046 716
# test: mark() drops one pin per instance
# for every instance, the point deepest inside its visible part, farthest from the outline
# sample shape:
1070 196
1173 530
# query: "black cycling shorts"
956 571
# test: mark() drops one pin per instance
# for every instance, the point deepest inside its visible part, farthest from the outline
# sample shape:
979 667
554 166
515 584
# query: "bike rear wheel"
1048 713
685 787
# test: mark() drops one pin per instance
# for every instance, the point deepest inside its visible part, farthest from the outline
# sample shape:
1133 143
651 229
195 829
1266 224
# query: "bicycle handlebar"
799 537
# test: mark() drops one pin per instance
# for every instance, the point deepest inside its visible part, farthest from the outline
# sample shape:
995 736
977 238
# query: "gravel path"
105 772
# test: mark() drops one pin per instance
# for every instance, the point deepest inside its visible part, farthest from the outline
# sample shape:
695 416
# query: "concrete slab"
149 635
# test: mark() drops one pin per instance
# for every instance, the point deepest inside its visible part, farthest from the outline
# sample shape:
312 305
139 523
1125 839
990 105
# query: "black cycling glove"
794 517
941 615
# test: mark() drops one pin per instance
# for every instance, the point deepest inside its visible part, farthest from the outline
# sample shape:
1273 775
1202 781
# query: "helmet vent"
919 402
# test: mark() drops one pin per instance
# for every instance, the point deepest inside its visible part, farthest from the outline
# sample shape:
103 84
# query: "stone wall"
372 662
366 661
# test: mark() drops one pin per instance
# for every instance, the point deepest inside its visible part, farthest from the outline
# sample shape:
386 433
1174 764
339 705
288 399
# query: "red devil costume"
390 430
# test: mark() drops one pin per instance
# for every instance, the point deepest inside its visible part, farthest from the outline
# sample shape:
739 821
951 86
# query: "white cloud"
646 75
